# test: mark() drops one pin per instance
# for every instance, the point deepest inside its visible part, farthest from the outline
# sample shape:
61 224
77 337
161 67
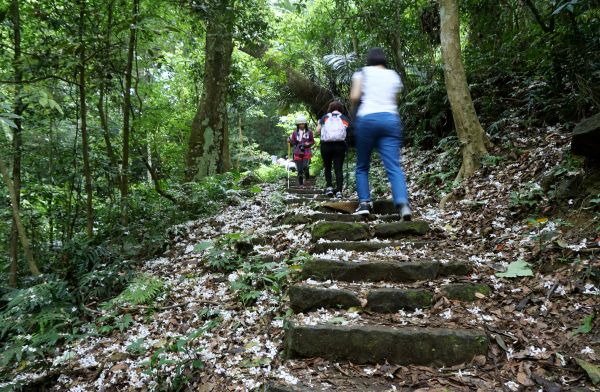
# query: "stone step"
381 207
376 271
304 297
305 191
292 218
306 200
365 246
362 344
353 231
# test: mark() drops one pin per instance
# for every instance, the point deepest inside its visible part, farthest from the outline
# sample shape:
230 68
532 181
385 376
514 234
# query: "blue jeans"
382 131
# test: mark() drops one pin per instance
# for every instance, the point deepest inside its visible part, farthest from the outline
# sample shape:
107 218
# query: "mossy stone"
340 231
392 300
465 291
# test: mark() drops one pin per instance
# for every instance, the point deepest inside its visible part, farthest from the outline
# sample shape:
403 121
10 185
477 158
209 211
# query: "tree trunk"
399 57
208 147
126 113
103 111
19 107
472 138
17 219
84 134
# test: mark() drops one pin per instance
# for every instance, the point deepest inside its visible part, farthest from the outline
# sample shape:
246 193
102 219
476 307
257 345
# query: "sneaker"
364 208
338 195
404 211
329 192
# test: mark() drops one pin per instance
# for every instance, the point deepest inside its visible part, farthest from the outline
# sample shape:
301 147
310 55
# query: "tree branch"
39 79
538 17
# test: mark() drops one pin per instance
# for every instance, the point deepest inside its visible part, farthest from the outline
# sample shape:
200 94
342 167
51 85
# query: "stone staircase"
376 287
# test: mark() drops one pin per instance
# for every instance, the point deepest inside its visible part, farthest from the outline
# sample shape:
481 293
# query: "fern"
142 290
35 319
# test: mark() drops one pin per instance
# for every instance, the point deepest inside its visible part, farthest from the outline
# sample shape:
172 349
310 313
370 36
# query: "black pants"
302 169
334 153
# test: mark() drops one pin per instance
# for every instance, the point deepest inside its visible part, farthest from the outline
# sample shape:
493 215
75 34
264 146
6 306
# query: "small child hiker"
302 139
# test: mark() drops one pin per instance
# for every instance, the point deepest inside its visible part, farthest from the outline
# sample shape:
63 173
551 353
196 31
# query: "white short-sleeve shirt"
380 88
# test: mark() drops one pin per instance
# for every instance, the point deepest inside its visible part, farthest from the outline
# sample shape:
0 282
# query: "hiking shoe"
404 211
364 208
338 195
329 192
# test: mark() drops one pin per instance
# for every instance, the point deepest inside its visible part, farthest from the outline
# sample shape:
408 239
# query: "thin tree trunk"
399 56
208 147
17 219
472 138
241 140
126 113
17 132
84 133
114 175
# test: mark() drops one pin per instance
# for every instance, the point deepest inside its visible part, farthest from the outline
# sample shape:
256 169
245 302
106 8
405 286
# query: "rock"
465 291
401 229
569 187
586 137
364 246
304 298
273 387
335 231
362 344
392 300
381 271
296 219
306 200
250 179
383 207
304 191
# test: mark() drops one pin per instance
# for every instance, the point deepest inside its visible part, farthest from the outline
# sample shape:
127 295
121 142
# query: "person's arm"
356 91
292 139
318 130
311 139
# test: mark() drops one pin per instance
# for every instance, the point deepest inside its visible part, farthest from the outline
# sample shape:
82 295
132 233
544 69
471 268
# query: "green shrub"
36 319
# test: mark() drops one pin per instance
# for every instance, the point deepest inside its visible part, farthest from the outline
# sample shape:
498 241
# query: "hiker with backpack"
375 89
302 140
332 128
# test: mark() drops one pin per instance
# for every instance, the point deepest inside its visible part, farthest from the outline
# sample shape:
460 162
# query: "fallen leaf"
516 269
592 370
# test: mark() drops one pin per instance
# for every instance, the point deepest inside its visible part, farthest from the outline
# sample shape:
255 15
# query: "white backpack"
334 129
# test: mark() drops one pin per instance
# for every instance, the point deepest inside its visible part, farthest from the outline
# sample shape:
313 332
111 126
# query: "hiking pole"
287 165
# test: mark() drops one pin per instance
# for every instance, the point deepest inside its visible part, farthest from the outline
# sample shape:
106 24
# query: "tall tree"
471 135
19 108
127 110
84 131
17 219
208 146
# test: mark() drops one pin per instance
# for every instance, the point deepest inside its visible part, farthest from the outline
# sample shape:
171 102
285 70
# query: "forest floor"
198 334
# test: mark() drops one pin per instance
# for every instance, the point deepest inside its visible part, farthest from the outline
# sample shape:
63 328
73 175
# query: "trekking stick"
287 165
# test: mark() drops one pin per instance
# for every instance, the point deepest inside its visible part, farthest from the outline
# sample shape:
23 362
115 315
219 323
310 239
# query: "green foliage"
426 115
276 203
587 324
529 196
271 173
184 368
142 290
492 160
251 273
36 319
